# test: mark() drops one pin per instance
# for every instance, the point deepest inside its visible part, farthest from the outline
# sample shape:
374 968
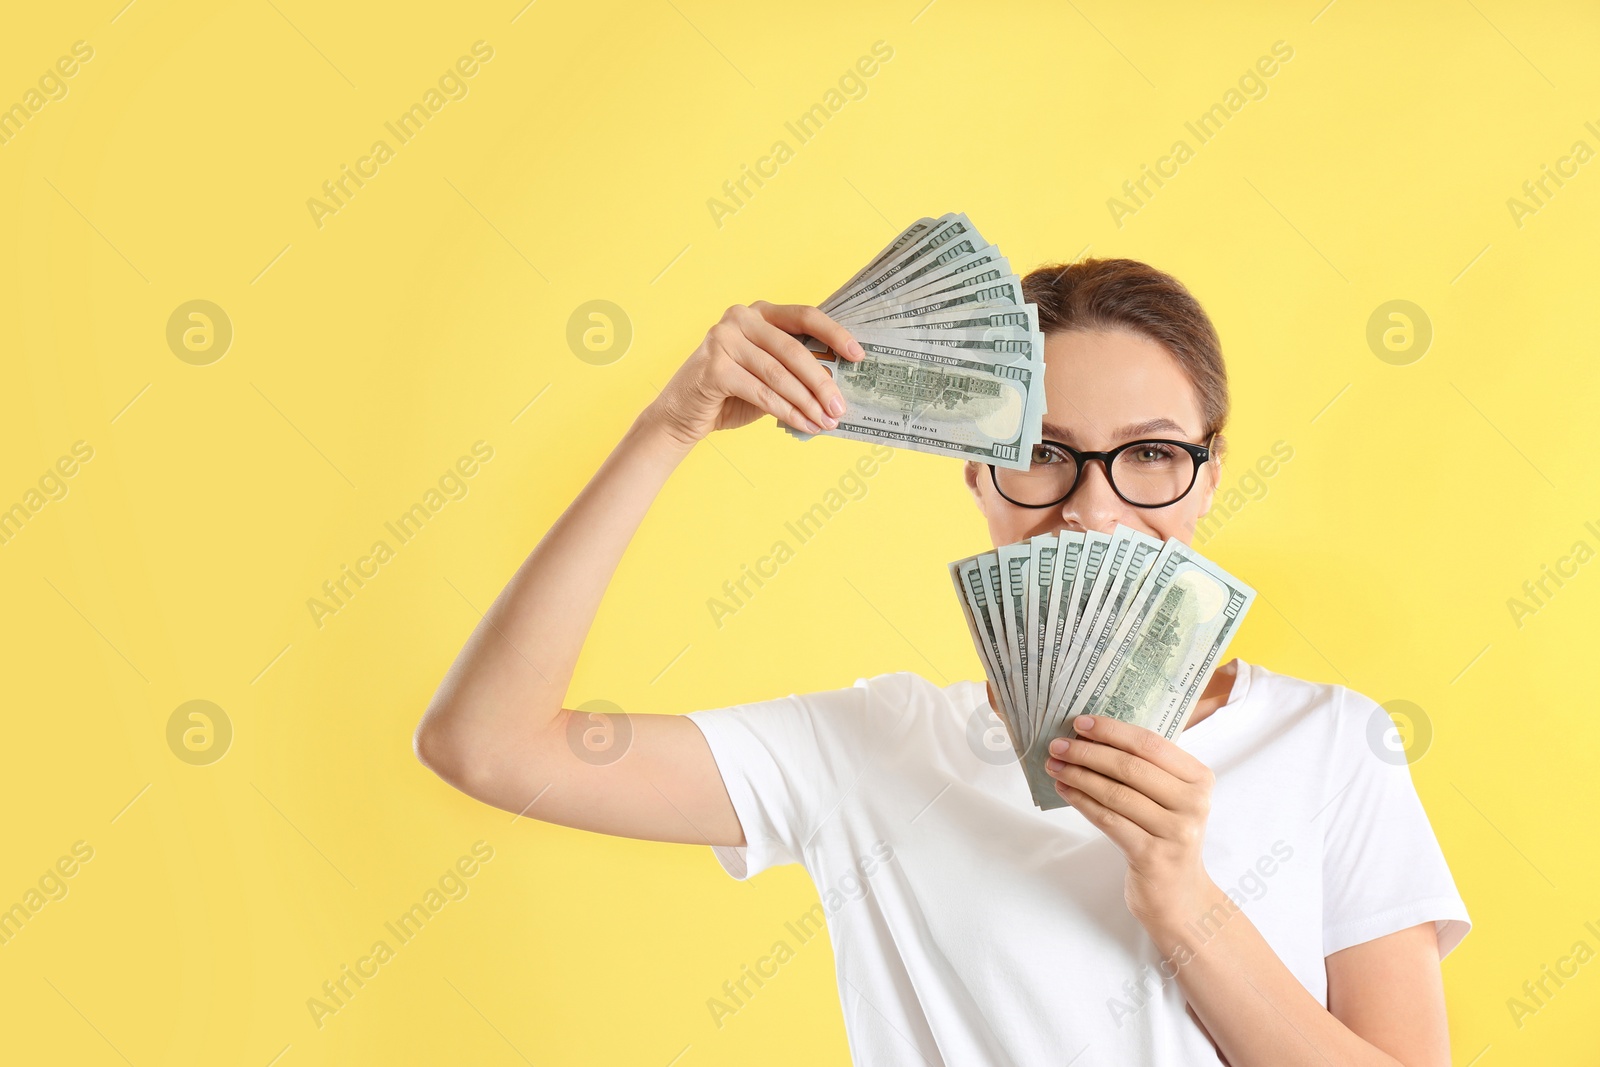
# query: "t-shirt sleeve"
787 764
1383 869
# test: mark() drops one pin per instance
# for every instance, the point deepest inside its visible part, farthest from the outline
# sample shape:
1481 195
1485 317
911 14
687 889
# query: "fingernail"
1083 722
854 348
1059 746
836 405
810 426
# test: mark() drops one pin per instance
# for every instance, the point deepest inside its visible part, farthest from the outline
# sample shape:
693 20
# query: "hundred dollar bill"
908 236
1044 570
983 288
956 257
1025 316
1059 614
1006 345
1086 582
1130 558
1169 643
983 291
1014 560
954 358
970 293
1151 620
920 251
943 402
972 591
993 574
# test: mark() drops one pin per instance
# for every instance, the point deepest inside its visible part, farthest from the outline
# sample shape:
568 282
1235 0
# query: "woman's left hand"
1151 798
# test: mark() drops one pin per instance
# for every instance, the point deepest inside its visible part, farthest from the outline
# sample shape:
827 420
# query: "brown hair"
1109 294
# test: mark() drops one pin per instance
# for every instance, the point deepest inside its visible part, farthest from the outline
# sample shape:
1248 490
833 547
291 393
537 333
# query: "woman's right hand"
750 365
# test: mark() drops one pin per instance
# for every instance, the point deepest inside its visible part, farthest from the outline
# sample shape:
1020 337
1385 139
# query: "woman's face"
1103 389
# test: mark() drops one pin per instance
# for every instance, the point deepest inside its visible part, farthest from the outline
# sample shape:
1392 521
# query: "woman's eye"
1153 453
1044 456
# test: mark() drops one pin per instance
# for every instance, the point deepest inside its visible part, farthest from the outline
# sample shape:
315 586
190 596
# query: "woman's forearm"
515 668
1255 1009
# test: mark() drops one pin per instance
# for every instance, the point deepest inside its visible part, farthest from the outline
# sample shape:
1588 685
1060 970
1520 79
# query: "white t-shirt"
969 927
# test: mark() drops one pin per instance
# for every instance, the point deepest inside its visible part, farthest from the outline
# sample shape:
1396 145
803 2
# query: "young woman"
1263 891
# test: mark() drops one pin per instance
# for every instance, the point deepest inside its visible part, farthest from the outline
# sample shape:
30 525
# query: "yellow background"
371 352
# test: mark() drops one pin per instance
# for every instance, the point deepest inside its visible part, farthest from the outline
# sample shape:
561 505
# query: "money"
954 362
1121 625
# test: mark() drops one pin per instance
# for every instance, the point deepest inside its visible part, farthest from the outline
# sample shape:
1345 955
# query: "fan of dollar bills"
1118 624
954 360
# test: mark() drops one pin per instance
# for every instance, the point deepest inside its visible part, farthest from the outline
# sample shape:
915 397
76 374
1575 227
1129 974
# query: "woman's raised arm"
496 727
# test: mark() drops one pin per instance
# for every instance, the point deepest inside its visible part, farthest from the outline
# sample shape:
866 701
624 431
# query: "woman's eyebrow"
1126 433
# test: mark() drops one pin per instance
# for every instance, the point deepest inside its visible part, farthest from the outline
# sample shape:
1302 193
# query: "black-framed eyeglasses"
1150 473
